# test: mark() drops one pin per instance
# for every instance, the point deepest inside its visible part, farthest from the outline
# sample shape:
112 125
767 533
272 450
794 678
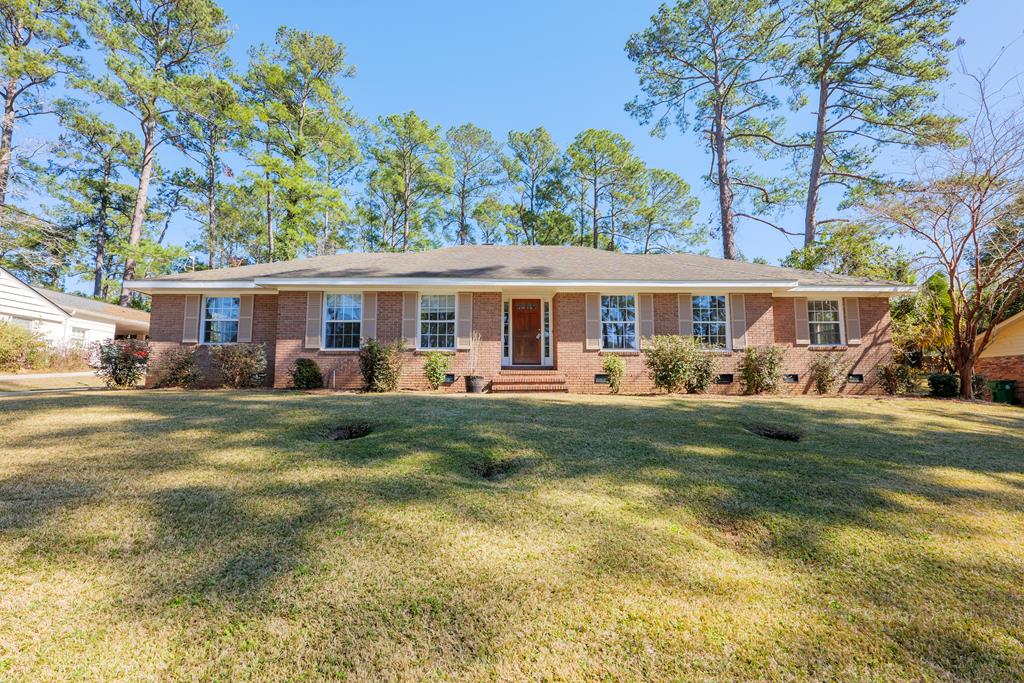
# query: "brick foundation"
279 323
1003 367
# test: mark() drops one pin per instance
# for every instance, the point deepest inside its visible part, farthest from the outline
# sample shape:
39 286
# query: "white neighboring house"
65 318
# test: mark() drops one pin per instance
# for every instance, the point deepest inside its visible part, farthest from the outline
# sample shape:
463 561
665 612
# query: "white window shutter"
190 325
738 315
410 318
368 325
685 316
852 321
245 310
593 306
803 328
464 320
314 313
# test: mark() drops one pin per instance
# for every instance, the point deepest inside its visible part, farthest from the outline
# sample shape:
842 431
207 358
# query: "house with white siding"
65 318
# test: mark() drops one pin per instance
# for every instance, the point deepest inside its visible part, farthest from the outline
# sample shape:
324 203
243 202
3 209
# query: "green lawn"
220 535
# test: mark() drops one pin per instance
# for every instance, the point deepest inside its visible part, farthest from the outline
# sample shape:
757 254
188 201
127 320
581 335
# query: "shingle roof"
70 303
521 263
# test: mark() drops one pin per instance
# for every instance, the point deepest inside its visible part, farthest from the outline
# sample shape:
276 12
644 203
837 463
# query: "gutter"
272 284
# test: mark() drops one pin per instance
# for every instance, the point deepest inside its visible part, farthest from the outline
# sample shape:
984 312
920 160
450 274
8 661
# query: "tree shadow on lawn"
262 498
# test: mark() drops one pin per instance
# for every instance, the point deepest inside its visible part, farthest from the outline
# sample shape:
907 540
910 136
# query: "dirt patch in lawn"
348 432
776 433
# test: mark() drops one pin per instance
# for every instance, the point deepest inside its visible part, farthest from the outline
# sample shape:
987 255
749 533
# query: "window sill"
339 352
825 347
424 352
619 352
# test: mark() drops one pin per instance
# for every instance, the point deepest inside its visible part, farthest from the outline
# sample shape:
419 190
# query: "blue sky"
518 65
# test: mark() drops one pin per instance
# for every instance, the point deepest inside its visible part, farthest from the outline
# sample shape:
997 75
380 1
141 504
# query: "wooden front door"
526 331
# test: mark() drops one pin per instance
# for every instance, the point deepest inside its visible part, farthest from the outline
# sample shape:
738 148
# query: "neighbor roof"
518 263
73 304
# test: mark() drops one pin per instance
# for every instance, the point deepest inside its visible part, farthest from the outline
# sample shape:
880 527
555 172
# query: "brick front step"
529 380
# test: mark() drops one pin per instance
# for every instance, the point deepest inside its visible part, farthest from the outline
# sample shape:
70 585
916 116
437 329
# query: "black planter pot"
475 384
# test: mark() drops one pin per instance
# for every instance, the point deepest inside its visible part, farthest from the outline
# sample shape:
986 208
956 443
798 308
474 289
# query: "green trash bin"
1002 390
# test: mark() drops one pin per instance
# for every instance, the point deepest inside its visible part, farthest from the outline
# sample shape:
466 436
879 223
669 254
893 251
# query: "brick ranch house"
1003 358
525 317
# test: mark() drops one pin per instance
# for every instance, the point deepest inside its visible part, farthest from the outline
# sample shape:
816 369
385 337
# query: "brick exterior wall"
279 322
1003 367
166 324
341 368
770 320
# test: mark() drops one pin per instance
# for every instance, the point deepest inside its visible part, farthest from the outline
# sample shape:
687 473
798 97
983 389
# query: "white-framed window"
23 323
546 329
437 321
618 321
343 316
506 329
711 321
825 322
78 335
220 319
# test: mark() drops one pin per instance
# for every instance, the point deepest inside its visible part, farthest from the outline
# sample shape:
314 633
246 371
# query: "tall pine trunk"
814 181
101 231
6 138
270 206
141 197
725 192
593 217
211 198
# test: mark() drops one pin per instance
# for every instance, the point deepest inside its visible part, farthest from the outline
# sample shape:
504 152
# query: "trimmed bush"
615 368
178 367
306 374
944 385
665 358
827 372
381 365
241 366
761 369
676 363
701 372
435 367
897 378
18 347
123 362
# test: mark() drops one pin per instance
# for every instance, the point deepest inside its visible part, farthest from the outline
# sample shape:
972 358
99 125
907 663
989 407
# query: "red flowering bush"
123 362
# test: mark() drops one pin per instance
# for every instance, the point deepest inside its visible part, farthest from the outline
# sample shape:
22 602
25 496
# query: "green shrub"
897 378
676 362
241 366
306 374
18 347
761 369
701 372
665 357
827 371
178 367
122 363
381 365
944 385
615 368
435 367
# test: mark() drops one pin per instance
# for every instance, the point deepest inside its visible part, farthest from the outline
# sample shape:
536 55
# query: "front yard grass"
224 535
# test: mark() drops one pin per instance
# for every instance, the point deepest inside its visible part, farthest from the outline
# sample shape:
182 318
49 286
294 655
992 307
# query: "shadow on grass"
245 492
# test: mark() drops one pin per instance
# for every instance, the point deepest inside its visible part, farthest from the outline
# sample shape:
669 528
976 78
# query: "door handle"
538 335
